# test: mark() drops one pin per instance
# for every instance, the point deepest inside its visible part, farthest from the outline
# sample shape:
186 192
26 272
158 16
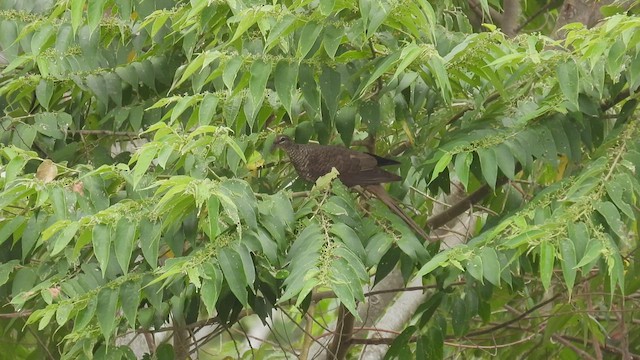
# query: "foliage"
164 204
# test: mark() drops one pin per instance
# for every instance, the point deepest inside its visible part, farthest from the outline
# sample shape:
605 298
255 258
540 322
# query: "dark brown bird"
312 161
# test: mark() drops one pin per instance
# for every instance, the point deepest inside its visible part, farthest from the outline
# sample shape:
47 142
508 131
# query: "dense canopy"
142 210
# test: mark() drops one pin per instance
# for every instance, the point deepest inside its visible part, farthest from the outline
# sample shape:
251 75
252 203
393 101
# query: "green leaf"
247 263
47 124
326 6
65 237
285 82
459 317
616 190
247 18
634 74
213 208
462 165
382 67
6 269
106 311
85 315
101 240
409 54
231 109
211 286
7 228
309 87
505 160
593 251
44 91
24 136
374 13
124 241
568 253
343 283
330 87
376 247
475 269
440 259
235 147
14 168
567 73
195 65
400 345
143 158
114 87
260 72
181 105
159 22
611 214
285 24
370 114
303 258
45 317
124 8
346 123
60 206
130 300
524 238
332 39
547 258
95 12
438 69
207 109
442 164
231 264
129 75
77 10
349 238
579 234
491 265
489 166
150 241
308 38
230 72
98 86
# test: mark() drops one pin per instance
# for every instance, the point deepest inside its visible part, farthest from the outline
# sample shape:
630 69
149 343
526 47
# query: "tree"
140 199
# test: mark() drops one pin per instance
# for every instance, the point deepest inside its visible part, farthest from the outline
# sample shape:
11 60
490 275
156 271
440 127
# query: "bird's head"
282 142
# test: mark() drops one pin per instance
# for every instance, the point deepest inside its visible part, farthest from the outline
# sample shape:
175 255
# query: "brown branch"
494 16
510 17
524 314
465 204
515 319
583 354
331 295
308 336
107 133
342 339
459 114
15 315
538 13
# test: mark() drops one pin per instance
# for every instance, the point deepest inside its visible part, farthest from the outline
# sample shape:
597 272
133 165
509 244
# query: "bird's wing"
355 168
358 168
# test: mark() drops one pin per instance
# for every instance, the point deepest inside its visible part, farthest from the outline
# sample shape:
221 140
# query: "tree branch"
342 339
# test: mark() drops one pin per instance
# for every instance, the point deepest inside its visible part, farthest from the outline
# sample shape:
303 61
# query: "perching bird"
312 161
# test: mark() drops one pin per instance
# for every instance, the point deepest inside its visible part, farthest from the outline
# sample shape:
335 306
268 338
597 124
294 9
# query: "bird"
312 161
